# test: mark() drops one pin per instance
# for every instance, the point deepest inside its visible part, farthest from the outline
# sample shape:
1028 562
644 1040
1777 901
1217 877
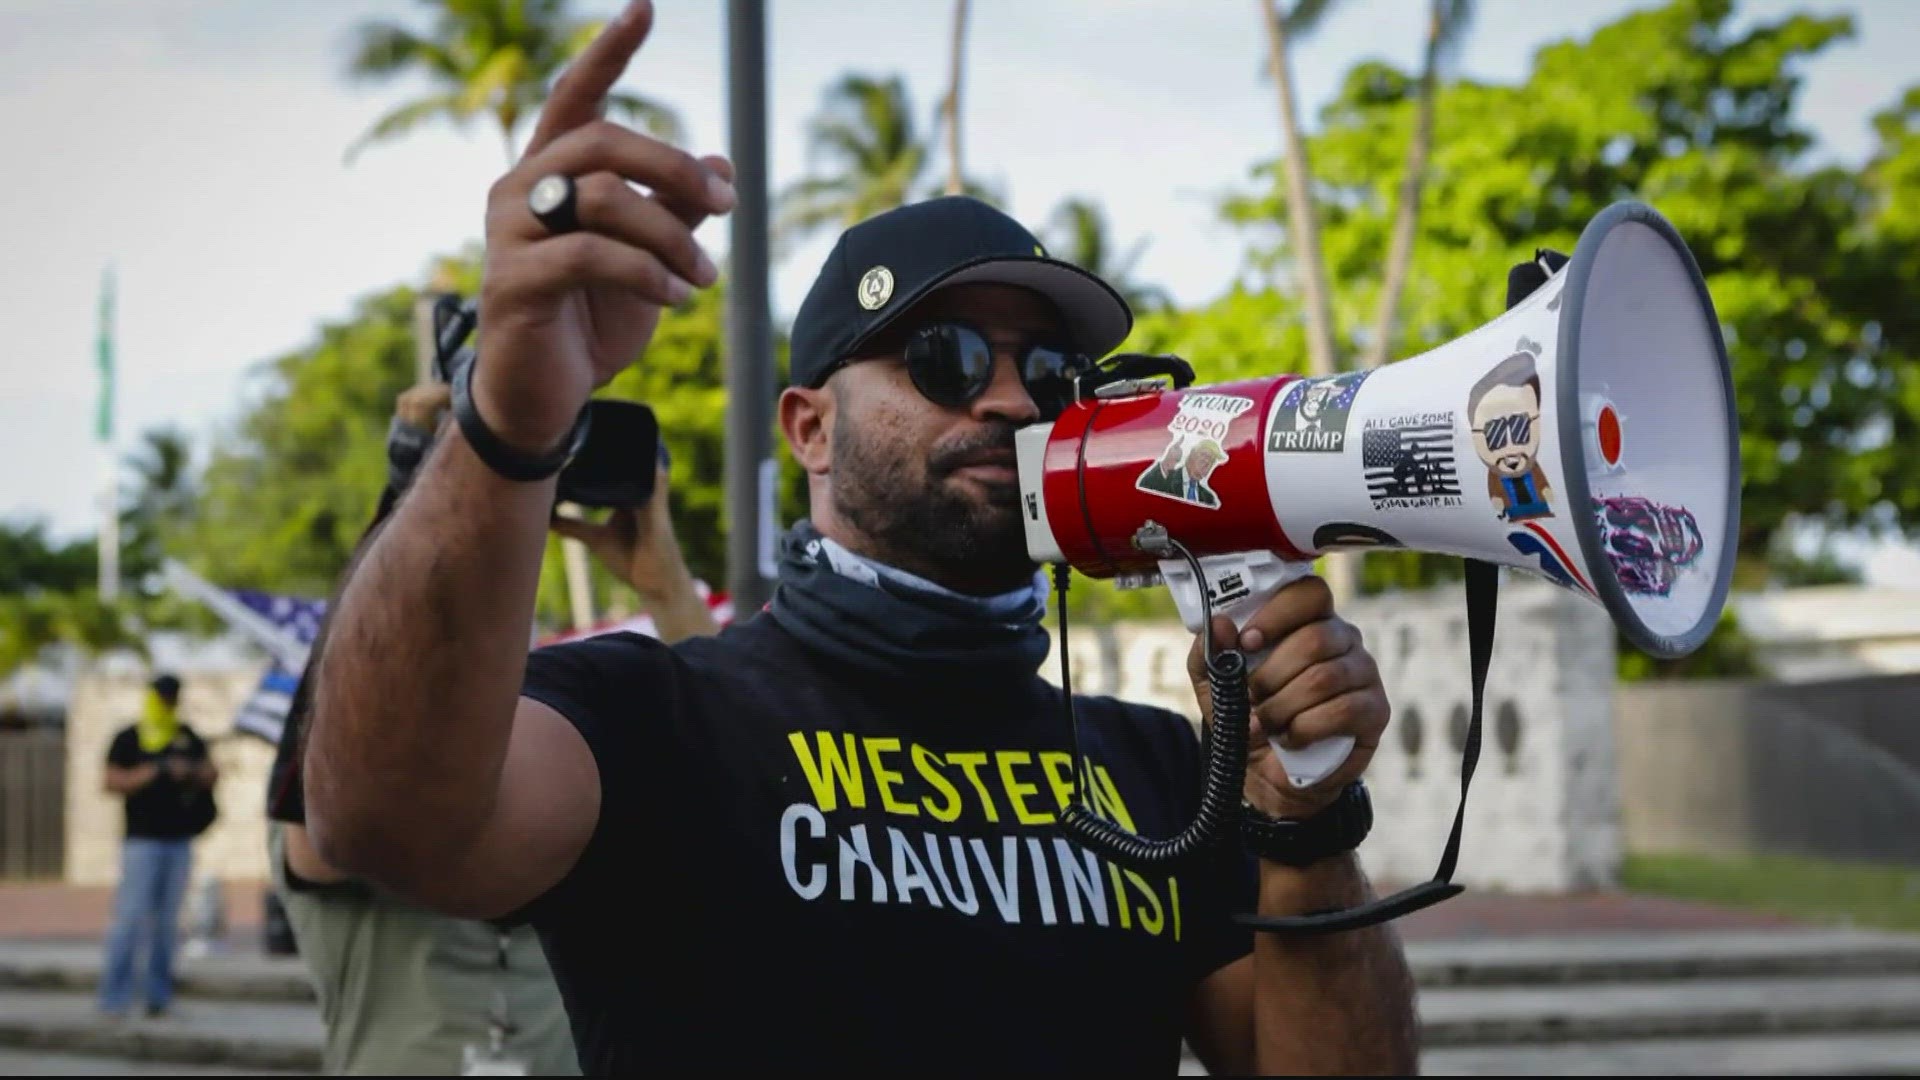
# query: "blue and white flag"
265 712
284 626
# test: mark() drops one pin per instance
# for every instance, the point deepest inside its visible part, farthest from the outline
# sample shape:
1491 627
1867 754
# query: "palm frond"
1306 16
1454 17
660 121
407 117
382 50
496 79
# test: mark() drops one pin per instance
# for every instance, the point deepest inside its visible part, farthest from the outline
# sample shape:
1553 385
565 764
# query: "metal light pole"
750 470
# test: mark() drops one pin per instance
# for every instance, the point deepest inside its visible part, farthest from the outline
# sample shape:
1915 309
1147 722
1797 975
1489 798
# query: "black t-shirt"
165 809
800 866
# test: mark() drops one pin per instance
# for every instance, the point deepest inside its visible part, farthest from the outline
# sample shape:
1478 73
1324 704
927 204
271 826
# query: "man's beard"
919 522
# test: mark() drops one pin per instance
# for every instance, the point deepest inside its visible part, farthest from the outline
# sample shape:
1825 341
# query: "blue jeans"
146 906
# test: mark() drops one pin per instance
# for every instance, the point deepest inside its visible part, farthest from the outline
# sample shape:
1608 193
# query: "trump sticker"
1196 445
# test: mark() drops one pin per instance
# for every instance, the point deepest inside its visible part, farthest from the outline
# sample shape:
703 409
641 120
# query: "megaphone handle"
1313 762
1251 579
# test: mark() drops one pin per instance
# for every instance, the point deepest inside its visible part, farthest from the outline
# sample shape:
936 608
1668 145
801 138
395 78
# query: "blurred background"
220 215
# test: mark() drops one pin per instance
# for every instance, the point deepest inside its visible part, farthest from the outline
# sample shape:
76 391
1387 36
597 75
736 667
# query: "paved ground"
80 912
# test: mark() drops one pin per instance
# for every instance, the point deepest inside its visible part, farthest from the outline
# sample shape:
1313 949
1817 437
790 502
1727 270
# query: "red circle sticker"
1609 435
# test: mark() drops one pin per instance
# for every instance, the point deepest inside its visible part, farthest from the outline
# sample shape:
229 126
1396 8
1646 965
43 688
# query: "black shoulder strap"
1483 595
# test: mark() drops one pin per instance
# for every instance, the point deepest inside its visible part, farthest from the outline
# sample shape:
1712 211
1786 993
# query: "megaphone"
1586 436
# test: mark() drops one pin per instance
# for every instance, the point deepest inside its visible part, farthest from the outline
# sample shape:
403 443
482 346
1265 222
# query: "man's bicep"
544 814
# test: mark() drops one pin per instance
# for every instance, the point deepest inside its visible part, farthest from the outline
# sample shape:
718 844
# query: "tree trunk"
1322 357
1406 219
956 182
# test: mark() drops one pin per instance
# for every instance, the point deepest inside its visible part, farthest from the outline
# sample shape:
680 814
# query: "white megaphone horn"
1587 435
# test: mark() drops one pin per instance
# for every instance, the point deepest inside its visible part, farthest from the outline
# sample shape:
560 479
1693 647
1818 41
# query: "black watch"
1333 831
500 456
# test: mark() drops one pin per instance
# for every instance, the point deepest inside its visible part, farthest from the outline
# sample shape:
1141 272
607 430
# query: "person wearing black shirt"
827 836
162 770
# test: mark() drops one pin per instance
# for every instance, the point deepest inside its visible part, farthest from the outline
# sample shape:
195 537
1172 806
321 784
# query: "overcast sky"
197 146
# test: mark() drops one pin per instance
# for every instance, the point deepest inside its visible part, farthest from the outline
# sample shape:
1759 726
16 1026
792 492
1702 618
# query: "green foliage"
1080 233
865 155
1821 891
29 562
286 496
484 57
1807 266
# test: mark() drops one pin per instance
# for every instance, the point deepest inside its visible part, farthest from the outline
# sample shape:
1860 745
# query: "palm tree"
496 57
956 179
163 498
875 157
1446 24
1303 230
1078 233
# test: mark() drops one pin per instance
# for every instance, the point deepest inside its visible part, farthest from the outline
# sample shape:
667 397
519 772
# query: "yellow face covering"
158 723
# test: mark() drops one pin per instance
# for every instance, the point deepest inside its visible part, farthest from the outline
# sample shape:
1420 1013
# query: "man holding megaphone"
823 836
858 829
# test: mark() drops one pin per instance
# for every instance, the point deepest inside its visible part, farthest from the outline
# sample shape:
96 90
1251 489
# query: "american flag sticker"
1408 461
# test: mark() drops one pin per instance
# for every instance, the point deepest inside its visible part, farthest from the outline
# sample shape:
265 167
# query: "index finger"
1298 603
580 93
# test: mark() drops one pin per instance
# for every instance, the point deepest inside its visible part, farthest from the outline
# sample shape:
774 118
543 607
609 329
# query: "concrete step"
45 1063
1887 1054
1633 1023
1536 960
1545 959
75 966
1483 1016
279 1036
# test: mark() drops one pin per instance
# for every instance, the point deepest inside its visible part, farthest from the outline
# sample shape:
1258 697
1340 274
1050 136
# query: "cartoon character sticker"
1503 411
1311 416
1196 446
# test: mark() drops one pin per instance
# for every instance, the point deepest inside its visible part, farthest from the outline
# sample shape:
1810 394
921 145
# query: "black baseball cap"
884 265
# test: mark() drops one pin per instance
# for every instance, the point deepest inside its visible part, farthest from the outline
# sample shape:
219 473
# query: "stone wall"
234 849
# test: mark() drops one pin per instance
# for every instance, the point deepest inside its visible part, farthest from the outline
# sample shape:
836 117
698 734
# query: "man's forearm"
679 612
1330 1003
417 688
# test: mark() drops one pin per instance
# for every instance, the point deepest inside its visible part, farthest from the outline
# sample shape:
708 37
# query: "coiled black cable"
1226 753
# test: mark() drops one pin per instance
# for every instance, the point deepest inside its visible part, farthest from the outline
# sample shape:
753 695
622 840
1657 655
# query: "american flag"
1409 462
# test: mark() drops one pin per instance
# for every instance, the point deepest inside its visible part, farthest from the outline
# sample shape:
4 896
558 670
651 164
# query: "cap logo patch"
1040 251
876 288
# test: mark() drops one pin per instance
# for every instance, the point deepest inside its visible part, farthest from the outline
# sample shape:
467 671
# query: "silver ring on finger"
555 201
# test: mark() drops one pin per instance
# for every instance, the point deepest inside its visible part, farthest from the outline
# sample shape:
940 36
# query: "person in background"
161 768
404 990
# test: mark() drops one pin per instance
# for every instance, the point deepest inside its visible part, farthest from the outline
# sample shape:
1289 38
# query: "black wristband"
1333 831
499 456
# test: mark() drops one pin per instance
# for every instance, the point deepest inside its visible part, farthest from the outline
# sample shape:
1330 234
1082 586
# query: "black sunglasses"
951 364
